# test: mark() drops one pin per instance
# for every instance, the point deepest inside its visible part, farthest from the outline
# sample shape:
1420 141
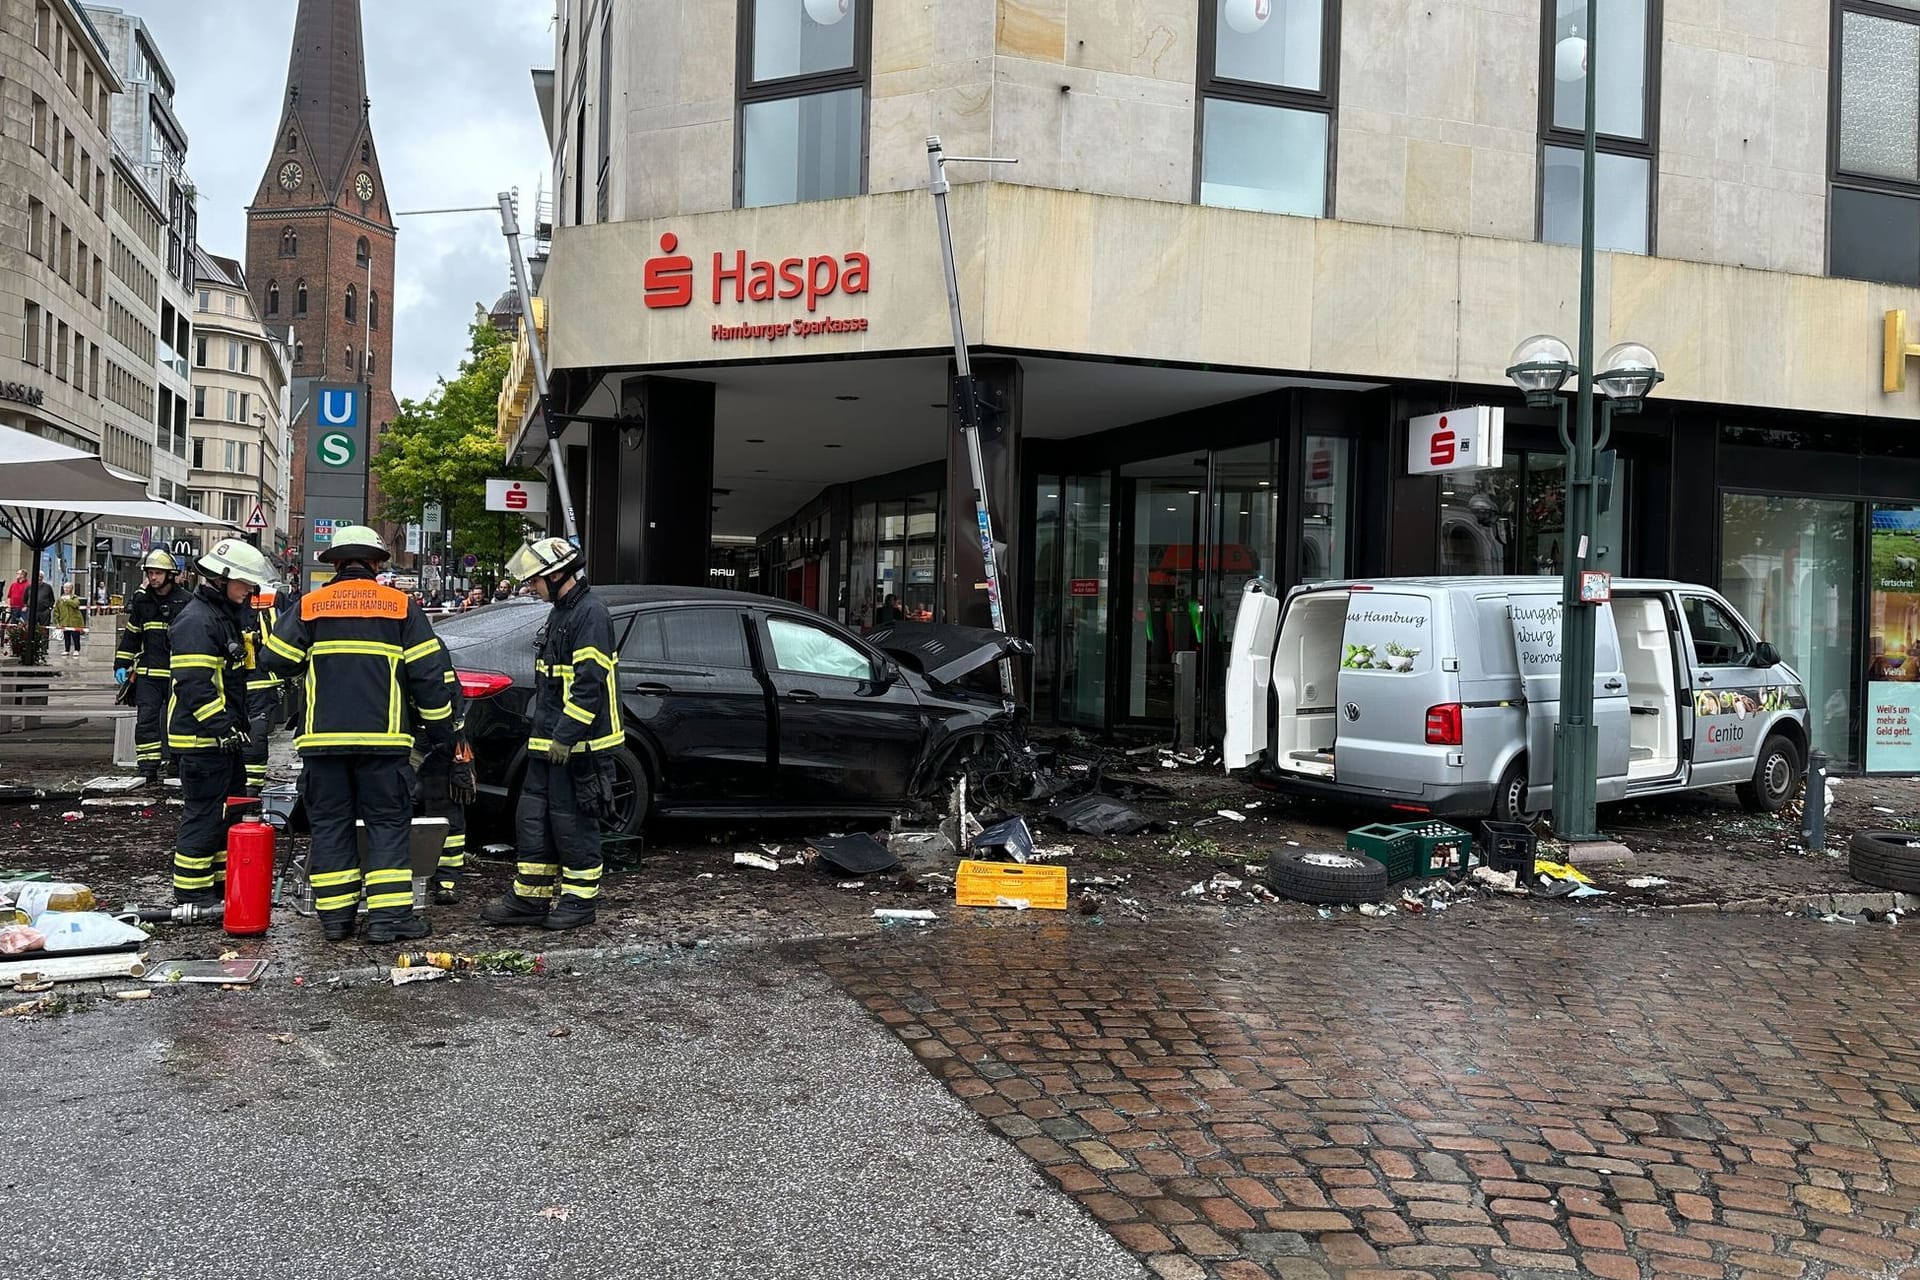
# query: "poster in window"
1893 642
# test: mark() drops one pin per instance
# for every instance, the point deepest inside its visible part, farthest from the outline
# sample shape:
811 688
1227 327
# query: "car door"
689 687
843 734
1539 641
1723 689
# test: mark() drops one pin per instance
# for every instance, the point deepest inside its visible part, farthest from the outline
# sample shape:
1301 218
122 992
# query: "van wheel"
1510 796
1326 875
1776 776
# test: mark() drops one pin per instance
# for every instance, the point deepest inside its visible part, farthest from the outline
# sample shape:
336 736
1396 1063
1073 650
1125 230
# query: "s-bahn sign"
669 282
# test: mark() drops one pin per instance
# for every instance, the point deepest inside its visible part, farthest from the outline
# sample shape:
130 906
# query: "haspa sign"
521 497
1457 440
670 281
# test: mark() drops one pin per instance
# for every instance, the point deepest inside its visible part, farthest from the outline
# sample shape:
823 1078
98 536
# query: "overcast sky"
453 116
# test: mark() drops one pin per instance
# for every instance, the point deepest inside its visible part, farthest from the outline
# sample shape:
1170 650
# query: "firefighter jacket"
576 701
373 666
212 658
423 739
143 636
266 615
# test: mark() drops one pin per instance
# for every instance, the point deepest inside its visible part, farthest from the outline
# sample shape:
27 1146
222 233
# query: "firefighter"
265 691
568 786
212 656
142 655
373 668
447 787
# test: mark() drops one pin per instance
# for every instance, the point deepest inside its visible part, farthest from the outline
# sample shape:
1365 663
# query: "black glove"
559 753
462 787
235 741
590 789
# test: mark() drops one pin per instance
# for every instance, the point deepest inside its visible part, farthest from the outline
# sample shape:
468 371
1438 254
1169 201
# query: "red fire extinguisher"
249 907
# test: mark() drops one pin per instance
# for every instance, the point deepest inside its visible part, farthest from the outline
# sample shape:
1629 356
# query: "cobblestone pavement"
1527 1097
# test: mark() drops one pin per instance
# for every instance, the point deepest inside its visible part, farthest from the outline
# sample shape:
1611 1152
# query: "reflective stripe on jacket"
144 646
208 698
373 665
575 696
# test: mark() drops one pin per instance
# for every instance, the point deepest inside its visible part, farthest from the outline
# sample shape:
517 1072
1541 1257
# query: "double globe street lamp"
1541 367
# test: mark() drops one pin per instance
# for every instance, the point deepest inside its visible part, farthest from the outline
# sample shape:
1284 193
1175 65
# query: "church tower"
320 233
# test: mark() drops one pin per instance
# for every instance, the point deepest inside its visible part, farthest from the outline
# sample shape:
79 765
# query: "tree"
445 448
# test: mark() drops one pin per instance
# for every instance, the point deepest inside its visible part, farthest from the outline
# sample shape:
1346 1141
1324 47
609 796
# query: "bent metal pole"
969 397
510 227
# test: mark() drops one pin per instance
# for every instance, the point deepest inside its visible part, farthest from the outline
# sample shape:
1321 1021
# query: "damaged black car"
738 705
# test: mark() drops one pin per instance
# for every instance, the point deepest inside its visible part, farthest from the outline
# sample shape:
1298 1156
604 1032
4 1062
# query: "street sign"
339 407
103 546
258 518
413 540
522 496
430 516
1468 439
322 531
469 562
335 449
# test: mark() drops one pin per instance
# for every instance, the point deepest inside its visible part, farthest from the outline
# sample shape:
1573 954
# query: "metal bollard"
1813 813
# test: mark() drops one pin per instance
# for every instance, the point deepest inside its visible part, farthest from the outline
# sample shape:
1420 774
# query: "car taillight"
475 685
1443 725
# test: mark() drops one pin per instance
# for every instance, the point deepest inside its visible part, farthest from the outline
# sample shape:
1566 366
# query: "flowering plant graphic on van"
1752 701
1367 657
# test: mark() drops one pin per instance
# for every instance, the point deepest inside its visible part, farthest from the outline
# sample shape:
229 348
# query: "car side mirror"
889 673
1765 655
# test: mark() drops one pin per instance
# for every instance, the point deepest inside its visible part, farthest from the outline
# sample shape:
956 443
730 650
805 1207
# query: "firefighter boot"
406 929
570 912
338 928
511 908
445 892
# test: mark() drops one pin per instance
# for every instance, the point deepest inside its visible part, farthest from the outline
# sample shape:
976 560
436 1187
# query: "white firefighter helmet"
239 561
355 542
544 557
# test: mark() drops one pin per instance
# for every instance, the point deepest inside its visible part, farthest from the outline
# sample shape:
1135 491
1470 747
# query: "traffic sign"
336 449
430 517
322 531
257 520
339 407
469 562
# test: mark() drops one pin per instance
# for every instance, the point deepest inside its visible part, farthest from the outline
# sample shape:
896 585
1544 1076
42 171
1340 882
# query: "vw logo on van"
1352 710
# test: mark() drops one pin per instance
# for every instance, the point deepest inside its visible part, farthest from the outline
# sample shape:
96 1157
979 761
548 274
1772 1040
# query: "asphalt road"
700 1116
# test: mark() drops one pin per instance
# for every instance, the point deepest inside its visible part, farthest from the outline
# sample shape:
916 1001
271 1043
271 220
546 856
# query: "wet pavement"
1521 1096
708 1116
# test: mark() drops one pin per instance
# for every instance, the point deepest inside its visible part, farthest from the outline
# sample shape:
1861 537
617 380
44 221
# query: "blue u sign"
339 407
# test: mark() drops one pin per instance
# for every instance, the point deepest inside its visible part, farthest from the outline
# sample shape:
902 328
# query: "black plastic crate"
1509 846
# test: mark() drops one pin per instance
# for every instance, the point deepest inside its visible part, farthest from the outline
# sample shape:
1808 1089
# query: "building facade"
1244 248
320 247
239 428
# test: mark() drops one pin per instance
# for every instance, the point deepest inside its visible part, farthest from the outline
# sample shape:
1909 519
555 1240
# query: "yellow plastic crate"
1003 884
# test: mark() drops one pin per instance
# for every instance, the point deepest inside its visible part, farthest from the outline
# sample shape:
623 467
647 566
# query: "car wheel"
1776 776
632 794
1326 875
1885 859
1510 795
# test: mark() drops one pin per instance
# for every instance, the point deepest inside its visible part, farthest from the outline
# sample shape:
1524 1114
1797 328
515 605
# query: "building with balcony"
241 428
1244 248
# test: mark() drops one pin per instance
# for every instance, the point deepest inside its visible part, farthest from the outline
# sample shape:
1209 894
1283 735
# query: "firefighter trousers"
263 717
435 803
207 779
559 846
376 789
150 695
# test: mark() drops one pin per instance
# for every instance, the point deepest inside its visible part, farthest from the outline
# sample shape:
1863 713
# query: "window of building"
366 153
43 26
36 232
349 307
347 363
233 406
299 352
1626 100
605 108
370 364
273 298
802 101
289 243
361 252
233 506
60 350
300 298
1266 119
235 452
373 309
205 300
30 326
1873 227
199 442
293 141
233 355
246 412
246 357
199 411
38 132
200 352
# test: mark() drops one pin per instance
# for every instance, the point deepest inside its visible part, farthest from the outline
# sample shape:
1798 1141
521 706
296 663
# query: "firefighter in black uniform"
212 655
568 788
142 656
265 692
374 667
447 787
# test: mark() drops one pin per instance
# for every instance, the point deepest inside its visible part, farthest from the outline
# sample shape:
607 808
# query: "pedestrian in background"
71 618
372 653
17 597
211 657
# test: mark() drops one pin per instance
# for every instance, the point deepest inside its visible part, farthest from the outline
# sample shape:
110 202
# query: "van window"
1606 642
1390 634
1717 638
1496 636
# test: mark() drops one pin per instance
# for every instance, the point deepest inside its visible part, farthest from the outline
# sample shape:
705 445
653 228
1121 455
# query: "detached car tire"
1886 859
1776 776
1326 875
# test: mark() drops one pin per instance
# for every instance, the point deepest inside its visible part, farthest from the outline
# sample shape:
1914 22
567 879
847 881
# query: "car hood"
944 652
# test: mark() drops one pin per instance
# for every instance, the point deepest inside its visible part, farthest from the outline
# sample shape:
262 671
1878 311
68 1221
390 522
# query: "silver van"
1441 695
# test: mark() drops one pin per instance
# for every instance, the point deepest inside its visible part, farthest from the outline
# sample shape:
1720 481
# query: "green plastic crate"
1393 847
1440 849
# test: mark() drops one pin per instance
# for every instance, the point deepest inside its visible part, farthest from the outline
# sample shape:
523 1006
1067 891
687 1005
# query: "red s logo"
517 498
668 280
1442 449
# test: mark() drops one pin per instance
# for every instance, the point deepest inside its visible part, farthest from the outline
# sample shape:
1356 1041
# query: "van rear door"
1389 678
1250 675
1537 639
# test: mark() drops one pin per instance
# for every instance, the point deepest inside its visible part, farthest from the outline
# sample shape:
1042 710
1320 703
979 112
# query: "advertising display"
1893 641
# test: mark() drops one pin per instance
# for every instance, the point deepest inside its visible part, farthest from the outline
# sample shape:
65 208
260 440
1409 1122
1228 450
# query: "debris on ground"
208 972
400 977
27 974
1647 882
1011 838
1098 815
759 861
903 915
855 855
